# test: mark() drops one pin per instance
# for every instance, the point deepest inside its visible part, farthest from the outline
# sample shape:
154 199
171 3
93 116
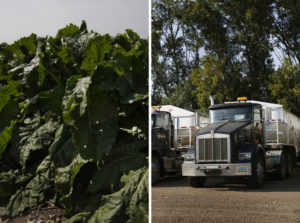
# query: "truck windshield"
230 114
159 120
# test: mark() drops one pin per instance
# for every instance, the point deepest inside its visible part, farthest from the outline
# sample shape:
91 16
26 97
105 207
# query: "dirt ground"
174 201
45 213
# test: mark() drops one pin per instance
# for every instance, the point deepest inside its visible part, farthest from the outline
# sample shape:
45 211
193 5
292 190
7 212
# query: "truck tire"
289 166
155 170
258 173
196 181
282 167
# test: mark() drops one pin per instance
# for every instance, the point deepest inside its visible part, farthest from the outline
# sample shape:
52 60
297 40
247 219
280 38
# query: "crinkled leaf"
95 111
34 192
118 207
37 145
69 31
107 179
97 50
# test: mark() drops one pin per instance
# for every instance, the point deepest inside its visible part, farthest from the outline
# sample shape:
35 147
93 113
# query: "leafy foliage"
212 79
224 48
285 86
170 62
73 129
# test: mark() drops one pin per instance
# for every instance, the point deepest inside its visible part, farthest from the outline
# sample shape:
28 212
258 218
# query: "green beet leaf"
73 129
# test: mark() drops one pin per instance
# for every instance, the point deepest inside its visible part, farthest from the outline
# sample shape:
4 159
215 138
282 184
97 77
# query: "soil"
44 213
220 200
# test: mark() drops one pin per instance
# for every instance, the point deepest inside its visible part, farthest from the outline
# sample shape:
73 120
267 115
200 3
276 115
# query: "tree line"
225 48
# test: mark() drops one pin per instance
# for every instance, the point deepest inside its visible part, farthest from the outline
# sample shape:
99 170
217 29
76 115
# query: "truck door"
161 131
258 125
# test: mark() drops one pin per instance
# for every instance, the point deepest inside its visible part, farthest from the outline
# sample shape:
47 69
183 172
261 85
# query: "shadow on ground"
292 184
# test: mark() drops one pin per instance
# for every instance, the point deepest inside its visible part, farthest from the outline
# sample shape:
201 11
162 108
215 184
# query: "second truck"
173 131
245 139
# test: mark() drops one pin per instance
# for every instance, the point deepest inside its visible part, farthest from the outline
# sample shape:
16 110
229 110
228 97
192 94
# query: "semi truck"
247 139
173 131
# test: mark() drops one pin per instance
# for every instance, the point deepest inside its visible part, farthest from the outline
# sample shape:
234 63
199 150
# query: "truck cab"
234 145
165 159
162 129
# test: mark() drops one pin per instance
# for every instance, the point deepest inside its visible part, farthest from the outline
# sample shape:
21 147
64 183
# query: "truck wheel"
196 181
258 173
155 170
289 166
282 167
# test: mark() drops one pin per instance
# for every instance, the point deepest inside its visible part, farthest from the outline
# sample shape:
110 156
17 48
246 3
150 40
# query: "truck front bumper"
215 169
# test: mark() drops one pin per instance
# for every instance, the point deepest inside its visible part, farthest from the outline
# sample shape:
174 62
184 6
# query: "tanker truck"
247 139
172 134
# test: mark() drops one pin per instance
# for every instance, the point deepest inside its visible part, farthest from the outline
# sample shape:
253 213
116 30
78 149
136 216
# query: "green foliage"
212 78
113 204
94 56
5 137
74 125
238 38
171 64
285 28
285 86
183 96
69 31
209 80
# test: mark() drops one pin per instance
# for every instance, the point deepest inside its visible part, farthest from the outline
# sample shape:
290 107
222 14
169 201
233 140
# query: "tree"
223 47
171 58
286 28
285 86
167 45
211 78
183 97
238 33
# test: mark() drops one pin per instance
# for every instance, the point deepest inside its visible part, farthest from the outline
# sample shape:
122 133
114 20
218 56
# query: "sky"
19 18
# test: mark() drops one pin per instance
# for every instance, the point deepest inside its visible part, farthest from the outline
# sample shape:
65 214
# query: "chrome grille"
213 149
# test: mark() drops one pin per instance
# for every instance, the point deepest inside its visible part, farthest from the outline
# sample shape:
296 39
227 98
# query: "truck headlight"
244 156
189 157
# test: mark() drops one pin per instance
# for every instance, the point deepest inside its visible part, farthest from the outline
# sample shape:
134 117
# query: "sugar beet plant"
73 125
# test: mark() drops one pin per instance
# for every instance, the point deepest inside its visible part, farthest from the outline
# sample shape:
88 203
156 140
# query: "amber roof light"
242 98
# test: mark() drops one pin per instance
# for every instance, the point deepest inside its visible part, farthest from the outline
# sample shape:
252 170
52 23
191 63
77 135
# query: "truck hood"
224 127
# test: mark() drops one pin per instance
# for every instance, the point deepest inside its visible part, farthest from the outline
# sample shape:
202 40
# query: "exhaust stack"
211 100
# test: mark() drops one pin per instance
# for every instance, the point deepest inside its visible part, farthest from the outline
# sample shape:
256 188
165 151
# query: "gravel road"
173 200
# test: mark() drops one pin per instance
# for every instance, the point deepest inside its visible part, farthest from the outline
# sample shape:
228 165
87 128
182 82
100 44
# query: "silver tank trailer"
280 126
